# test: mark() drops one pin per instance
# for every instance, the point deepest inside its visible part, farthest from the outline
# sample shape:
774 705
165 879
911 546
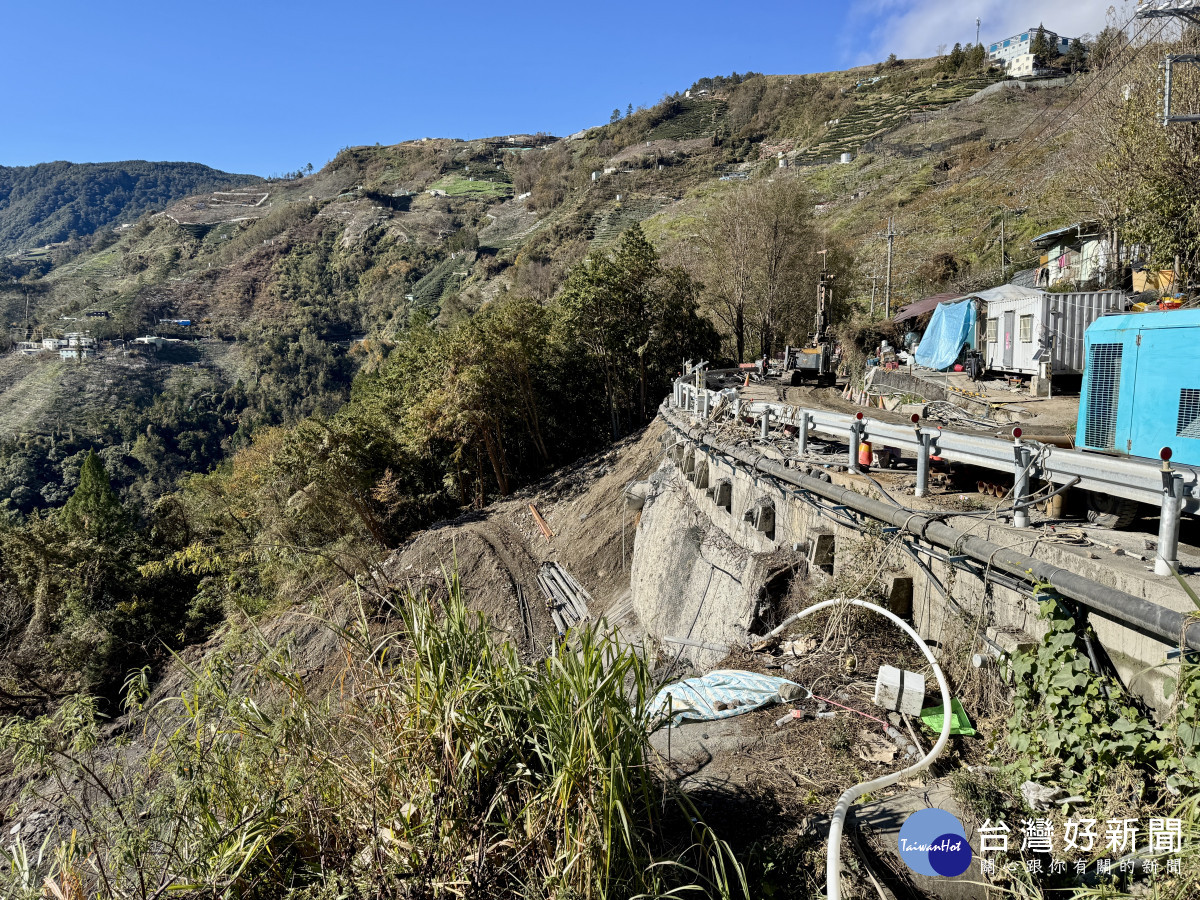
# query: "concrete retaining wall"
699 570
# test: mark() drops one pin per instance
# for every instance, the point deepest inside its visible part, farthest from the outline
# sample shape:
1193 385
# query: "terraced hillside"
280 281
57 201
878 111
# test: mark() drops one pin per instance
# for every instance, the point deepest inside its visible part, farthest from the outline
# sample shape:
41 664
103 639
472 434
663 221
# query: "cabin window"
1026 329
993 329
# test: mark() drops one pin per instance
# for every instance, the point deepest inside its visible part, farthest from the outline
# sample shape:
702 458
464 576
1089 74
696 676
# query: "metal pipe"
922 466
1166 558
855 440
1090 647
1167 92
802 445
1136 613
766 424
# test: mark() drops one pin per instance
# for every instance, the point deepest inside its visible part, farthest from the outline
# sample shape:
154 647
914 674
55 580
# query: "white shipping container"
1026 327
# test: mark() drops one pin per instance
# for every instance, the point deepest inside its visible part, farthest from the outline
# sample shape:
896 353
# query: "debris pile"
566 598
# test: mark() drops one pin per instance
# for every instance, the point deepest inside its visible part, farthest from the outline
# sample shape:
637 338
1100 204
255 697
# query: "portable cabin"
1027 327
1141 386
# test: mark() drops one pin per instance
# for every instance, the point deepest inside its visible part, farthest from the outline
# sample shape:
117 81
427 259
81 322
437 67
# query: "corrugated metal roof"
1081 227
1025 279
1152 9
928 305
1007 292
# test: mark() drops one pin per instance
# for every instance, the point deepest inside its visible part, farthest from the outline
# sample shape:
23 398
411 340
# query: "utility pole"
887 291
1003 216
874 280
977 24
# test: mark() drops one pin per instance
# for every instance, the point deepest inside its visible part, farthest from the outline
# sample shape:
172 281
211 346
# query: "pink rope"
885 725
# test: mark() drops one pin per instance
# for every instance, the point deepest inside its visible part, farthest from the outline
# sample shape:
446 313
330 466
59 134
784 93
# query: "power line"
1099 85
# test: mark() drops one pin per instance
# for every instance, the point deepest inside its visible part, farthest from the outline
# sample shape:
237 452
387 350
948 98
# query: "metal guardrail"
1175 490
1137 613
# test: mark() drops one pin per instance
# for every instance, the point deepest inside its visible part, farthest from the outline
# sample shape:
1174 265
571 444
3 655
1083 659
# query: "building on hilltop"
1024 66
1007 50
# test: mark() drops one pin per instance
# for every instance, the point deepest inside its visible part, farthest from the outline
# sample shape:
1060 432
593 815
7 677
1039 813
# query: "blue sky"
266 87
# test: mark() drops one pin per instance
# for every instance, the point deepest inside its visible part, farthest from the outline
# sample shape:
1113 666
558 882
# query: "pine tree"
1076 55
1040 48
94 510
956 58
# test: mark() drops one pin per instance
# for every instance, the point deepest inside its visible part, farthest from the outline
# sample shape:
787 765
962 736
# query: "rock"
790 692
1039 796
875 748
764 644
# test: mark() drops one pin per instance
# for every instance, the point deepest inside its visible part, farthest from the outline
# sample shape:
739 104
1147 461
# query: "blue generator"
1141 385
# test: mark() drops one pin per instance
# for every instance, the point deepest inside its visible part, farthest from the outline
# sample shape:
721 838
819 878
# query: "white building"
1007 50
1024 66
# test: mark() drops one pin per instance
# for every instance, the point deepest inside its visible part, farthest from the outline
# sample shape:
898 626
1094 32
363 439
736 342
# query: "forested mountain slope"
57 201
290 286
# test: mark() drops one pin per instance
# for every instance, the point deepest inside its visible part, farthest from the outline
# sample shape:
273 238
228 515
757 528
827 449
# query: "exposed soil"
501 547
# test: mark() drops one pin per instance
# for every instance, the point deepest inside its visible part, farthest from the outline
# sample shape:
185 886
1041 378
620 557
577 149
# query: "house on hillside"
1080 254
1025 66
1006 51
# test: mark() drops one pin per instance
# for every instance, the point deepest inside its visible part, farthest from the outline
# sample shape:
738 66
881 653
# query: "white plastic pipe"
833 866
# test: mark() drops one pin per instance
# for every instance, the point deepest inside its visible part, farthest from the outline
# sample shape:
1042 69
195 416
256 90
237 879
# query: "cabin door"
1010 337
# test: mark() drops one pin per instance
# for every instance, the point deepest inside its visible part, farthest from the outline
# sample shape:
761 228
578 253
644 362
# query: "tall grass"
437 765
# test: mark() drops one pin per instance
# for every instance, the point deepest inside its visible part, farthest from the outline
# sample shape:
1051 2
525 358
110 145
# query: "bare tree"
758 262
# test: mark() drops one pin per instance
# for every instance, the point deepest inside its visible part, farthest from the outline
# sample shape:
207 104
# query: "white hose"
833 879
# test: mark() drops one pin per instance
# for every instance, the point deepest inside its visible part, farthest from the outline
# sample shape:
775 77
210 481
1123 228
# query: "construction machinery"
816 361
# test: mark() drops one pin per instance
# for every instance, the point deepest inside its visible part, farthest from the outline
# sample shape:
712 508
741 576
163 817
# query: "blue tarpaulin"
953 325
697 698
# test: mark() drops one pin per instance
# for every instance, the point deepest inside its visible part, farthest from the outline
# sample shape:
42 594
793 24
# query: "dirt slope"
500 547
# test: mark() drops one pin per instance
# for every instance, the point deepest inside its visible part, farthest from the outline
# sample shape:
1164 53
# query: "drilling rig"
816 361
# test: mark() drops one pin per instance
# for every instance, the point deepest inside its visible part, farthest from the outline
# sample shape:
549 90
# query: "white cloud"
916 28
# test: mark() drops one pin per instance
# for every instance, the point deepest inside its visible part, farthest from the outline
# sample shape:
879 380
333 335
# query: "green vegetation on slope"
443 765
58 201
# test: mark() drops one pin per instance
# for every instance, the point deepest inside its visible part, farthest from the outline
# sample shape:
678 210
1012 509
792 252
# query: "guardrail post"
802 446
766 423
1167 557
856 431
923 441
1024 458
